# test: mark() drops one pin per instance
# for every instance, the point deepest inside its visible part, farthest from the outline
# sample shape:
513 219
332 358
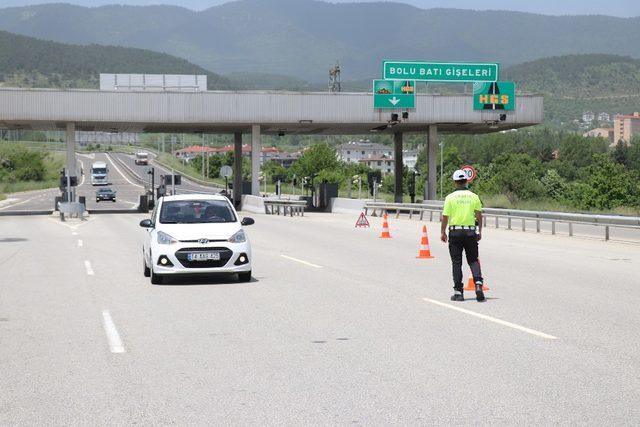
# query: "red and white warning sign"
470 172
362 221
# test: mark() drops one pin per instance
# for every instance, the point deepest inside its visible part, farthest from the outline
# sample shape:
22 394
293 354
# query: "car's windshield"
99 170
196 212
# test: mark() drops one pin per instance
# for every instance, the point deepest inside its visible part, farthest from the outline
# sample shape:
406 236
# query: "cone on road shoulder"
385 229
425 251
471 284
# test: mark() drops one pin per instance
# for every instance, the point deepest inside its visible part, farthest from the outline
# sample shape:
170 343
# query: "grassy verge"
52 161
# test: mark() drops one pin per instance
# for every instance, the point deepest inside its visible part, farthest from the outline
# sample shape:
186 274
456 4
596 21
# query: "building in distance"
606 133
354 151
382 163
625 127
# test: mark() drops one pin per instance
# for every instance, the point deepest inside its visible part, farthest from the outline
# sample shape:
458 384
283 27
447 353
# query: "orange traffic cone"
471 284
385 229
424 252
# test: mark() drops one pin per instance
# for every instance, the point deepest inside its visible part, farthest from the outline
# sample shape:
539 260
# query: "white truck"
99 173
142 158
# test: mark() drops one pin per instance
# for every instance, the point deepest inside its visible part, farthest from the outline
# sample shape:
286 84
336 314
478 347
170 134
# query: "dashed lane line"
80 243
493 319
113 337
87 266
301 261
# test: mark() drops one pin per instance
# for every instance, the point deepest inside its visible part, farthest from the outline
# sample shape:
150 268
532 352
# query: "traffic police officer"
462 214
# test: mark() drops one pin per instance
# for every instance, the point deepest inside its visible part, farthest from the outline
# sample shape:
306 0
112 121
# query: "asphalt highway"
142 171
337 327
127 189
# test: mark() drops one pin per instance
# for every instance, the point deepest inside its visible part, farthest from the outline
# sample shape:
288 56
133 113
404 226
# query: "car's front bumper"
177 255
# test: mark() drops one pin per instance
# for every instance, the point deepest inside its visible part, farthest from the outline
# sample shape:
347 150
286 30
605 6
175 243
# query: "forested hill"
29 62
579 76
303 38
575 83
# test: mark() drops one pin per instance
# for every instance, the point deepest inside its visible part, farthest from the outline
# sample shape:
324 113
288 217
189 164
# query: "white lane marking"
301 261
493 319
87 266
75 233
115 343
120 172
80 243
20 203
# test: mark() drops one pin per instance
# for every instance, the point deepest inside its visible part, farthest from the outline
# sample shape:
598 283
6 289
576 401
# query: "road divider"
492 319
385 229
425 250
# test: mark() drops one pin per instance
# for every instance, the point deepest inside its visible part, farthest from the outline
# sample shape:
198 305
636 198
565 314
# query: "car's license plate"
204 256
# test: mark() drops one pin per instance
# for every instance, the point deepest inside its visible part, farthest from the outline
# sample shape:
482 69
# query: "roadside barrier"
425 251
385 229
294 207
507 216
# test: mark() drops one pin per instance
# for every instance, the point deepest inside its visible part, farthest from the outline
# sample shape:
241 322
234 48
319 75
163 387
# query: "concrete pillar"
255 160
397 143
237 168
71 168
432 142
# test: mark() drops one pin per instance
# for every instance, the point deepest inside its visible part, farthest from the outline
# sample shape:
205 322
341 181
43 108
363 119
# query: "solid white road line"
87 266
115 343
121 174
80 243
493 319
301 261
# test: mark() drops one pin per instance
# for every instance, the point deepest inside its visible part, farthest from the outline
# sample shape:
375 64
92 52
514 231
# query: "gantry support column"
71 169
255 160
432 143
397 142
237 169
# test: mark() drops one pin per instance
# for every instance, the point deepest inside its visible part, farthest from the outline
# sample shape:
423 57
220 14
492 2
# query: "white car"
195 234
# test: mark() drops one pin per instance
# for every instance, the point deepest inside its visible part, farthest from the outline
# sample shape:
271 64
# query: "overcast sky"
624 8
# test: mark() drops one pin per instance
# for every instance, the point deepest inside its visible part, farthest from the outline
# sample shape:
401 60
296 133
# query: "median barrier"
253 204
344 205
292 207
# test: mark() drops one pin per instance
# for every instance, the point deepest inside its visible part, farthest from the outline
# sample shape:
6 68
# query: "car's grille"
209 240
225 256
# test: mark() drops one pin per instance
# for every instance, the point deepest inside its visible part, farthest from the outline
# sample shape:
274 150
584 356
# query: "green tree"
316 159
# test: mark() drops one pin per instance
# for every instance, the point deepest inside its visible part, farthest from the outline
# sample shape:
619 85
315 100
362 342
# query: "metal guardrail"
189 177
295 207
571 219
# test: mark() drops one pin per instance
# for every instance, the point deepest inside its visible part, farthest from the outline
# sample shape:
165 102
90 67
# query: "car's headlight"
239 237
165 239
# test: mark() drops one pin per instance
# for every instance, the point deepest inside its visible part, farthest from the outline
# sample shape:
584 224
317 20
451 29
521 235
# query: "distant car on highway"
105 194
195 234
99 173
142 158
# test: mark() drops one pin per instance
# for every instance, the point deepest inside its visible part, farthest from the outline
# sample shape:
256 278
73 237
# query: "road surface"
337 327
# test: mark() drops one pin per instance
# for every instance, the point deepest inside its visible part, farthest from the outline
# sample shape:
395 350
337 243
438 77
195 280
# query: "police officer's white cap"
459 175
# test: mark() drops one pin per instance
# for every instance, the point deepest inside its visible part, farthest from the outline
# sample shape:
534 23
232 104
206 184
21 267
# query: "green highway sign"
453 72
394 94
494 96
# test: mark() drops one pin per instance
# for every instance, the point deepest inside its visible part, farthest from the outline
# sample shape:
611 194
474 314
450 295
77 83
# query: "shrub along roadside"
24 169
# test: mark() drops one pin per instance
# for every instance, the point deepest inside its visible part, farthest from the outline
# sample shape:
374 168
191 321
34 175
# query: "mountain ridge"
303 38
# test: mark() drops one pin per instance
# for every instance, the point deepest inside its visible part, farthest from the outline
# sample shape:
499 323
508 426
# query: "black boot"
479 293
458 295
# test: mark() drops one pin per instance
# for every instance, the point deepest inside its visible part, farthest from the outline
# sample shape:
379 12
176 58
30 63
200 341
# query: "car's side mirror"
146 223
247 221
